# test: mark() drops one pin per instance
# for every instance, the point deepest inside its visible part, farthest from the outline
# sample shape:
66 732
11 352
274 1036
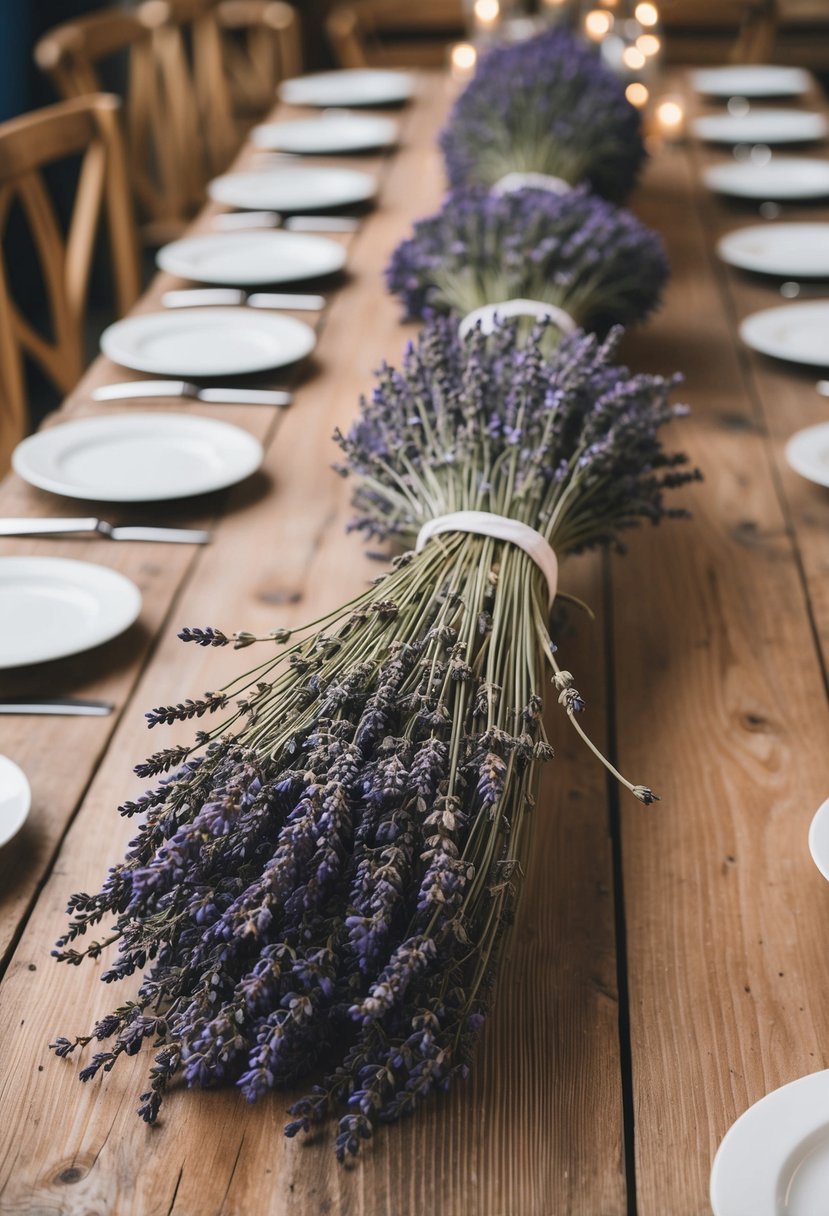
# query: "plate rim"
172 266
405 93
728 237
779 69
819 816
123 418
215 188
132 603
178 316
391 126
773 349
792 460
766 1167
723 118
6 836
712 172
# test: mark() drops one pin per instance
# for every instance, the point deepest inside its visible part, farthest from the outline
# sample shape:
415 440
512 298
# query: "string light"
637 94
486 12
597 24
633 58
646 14
648 44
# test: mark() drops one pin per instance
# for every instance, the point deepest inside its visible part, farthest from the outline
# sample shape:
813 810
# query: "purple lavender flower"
586 256
547 105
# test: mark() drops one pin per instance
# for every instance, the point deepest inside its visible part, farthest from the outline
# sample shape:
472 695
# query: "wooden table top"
670 964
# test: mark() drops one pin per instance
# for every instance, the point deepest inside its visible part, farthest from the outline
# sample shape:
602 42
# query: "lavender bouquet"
585 256
547 106
321 884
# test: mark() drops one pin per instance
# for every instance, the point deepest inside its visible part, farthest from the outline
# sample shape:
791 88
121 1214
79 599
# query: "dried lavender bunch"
594 260
320 886
547 105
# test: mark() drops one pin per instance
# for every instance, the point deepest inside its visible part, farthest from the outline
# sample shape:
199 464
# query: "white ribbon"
511 182
500 527
487 314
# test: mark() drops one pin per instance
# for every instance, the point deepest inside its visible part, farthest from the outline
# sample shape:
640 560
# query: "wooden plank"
538 1129
721 705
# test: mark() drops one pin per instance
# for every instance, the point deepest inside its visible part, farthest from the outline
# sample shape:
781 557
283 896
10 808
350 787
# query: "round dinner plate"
774 1161
293 188
350 87
51 607
761 126
207 341
751 80
819 839
137 457
233 258
807 452
327 134
797 251
797 332
15 799
783 177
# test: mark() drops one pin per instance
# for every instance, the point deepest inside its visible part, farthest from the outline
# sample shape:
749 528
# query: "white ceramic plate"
819 839
774 1161
351 87
207 341
751 80
808 453
798 332
796 251
783 177
51 607
137 457
761 126
327 134
293 188
15 799
233 258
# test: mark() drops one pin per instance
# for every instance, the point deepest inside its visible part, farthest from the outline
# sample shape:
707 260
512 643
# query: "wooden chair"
179 125
393 33
260 47
87 127
740 31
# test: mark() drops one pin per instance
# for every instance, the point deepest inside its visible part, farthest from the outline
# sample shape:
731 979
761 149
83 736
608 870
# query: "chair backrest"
366 33
744 31
88 128
260 47
179 126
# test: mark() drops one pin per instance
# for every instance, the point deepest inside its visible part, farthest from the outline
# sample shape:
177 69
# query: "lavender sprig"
323 891
547 105
586 256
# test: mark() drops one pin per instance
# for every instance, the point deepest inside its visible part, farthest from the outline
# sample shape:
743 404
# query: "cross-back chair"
88 128
260 47
743 31
179 126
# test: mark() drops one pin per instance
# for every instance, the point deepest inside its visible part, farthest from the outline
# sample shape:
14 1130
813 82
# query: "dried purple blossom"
325 888
547 105
586 256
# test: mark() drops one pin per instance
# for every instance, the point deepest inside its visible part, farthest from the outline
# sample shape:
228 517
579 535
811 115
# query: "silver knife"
68 707
230 221
181 388
199 297
61 527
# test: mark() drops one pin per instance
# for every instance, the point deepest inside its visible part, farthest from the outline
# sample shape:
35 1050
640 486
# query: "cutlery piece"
199 297
63 527
67 707
230 221
182 388
794 291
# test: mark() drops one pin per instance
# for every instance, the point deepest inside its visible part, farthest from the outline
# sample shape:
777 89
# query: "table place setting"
756 80
761 126
252 257
15 799
293 188
776 179
335 132
349 87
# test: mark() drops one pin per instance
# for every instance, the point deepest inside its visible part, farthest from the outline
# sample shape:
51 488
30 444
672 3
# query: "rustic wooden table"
670 964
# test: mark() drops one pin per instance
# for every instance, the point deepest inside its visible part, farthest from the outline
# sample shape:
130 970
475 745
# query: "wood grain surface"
669 963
